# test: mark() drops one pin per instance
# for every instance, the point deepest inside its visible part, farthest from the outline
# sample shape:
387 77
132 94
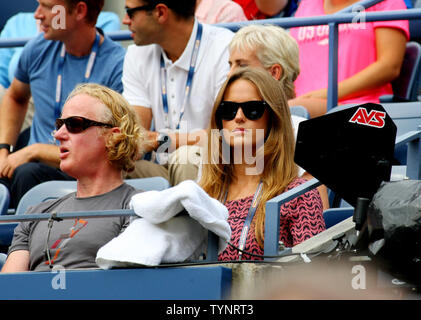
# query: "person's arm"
390 46
177 139
271 7
145 118
45 153
13 110
17 261
12 114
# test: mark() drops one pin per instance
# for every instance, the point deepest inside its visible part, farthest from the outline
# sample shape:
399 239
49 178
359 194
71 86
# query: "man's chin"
51 36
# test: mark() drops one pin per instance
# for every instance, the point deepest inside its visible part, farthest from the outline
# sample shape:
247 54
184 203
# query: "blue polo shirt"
38 67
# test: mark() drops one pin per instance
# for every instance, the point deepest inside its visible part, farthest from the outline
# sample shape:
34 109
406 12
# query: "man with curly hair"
70 50
100 138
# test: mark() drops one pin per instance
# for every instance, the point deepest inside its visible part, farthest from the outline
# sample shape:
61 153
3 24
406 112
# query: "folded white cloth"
159 236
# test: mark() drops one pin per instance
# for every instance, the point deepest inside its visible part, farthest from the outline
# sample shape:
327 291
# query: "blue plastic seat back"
55 189
335 215
10 8
299 111
149 184
405 86
3 258
4 199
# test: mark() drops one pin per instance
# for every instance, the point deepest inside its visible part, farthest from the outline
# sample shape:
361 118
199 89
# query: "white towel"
160 237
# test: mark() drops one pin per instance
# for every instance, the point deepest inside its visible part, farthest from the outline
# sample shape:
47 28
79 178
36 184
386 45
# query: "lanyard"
189 81
89 67
249 218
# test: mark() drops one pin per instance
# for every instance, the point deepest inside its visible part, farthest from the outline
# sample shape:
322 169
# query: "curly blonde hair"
123 147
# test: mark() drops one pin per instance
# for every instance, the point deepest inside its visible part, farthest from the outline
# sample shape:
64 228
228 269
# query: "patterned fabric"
300 219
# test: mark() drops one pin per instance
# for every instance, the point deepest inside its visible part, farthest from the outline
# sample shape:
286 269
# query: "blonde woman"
100 138
275 50
250 160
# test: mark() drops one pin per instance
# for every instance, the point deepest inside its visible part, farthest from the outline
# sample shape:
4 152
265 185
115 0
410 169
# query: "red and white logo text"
373 119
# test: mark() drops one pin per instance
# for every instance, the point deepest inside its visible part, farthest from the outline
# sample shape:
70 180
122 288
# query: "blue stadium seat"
6 229
10 8
415 27
406 85
54 189
299 111
2 259
333 216
4 199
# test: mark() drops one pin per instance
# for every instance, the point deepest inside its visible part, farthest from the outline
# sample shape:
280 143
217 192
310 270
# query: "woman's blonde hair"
272 45
278 149
123 147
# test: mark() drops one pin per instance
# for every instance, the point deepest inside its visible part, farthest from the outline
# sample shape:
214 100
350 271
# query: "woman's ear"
276 71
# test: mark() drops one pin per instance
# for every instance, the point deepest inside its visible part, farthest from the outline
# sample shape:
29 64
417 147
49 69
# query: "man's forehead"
134 3
85 103
51 2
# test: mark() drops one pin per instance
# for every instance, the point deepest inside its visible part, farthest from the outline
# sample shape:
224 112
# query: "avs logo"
373 119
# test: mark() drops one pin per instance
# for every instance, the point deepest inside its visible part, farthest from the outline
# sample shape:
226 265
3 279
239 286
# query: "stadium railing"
348 15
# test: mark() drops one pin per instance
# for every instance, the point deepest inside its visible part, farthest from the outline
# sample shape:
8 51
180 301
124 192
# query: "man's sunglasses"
253 110
79 124
131 11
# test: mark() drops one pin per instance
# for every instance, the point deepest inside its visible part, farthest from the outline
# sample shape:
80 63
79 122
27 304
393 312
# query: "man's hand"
4 154
9 164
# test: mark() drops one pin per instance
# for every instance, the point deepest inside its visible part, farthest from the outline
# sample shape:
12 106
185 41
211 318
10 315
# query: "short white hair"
272 45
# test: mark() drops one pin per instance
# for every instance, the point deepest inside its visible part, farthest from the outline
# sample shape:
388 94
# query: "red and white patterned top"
300 219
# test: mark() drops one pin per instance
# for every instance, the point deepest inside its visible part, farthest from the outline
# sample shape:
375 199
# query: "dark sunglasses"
253 110
79 124
131 11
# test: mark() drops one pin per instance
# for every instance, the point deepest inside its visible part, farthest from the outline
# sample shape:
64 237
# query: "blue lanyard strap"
249 218
189 81
89 67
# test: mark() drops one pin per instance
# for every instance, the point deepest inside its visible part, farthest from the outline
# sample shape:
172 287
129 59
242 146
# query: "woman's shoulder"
295 183
309 198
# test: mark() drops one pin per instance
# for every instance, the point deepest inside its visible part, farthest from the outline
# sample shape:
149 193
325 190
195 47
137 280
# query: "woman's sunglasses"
253 110
79 124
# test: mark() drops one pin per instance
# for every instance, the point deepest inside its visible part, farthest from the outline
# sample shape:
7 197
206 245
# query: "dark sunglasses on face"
253 110
131 11
79 124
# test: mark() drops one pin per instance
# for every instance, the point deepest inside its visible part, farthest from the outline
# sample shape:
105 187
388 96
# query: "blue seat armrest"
413 163
272 219
212 249
386 98
390 98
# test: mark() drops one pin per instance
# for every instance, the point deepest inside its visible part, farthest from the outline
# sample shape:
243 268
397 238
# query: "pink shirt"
356 49
218 11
